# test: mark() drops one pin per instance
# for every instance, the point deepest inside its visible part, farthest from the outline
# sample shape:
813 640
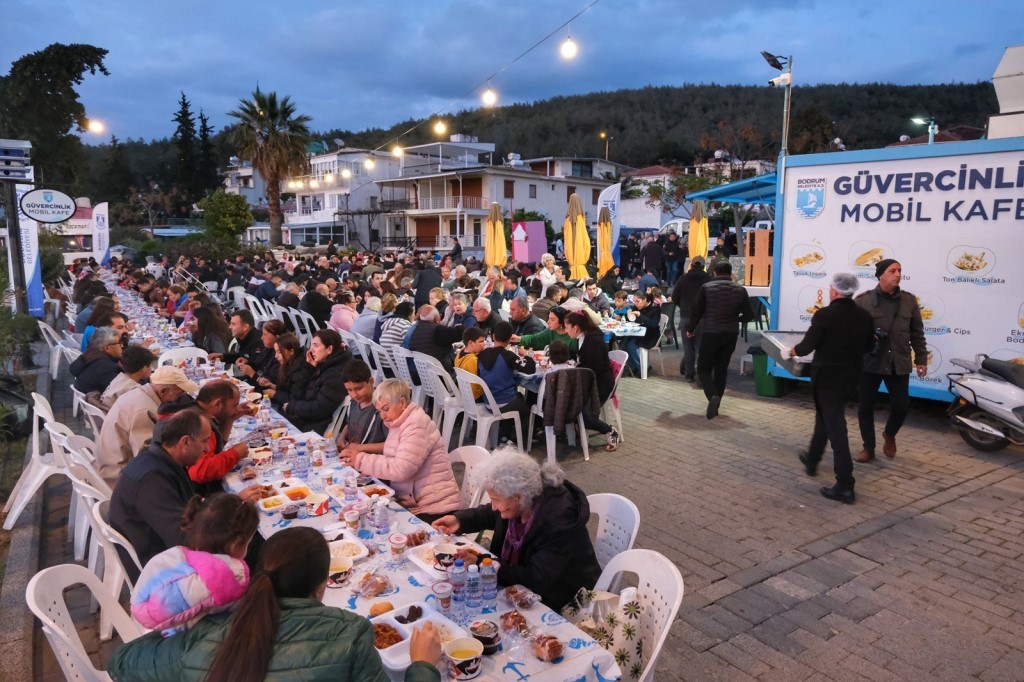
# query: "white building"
241 178
446 189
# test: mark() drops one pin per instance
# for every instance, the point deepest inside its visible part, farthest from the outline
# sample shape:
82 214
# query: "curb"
17 624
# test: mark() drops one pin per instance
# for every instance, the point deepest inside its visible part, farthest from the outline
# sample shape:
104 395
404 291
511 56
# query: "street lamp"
440 128
95 126
489 98
569 48
607 138
933 127
780 63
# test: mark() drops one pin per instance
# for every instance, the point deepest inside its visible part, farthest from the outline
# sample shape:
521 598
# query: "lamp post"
780 63
933 127
607 138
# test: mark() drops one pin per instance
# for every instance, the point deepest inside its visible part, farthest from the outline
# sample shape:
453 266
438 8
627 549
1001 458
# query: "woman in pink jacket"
344 312
415 457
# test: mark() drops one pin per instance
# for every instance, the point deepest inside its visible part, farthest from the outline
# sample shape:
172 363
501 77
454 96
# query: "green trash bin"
765 384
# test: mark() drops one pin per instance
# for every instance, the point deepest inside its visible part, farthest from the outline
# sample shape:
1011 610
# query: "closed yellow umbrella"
495 251
698 241
577 241
605 262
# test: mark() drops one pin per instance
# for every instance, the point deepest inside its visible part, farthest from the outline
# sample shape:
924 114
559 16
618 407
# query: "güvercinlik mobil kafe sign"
955 223
47 205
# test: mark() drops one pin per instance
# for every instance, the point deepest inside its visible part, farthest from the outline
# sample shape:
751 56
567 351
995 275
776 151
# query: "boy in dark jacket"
497 366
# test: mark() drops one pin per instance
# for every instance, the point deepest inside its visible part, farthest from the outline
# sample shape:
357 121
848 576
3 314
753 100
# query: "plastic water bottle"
473 592
457 577
489 586
383 521
371 514
351 491
301 468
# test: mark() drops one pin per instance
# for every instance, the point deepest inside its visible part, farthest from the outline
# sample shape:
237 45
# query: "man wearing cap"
898 330
684 293
839 335
128 426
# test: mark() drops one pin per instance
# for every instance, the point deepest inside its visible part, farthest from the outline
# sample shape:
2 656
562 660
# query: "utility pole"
14 162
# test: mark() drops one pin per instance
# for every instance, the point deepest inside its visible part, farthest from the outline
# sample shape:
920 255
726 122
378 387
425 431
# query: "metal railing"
451 203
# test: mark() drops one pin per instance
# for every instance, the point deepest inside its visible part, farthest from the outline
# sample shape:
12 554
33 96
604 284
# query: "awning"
759 189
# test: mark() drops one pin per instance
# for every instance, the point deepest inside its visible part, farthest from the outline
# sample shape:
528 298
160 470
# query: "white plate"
423 556
348 539
396 657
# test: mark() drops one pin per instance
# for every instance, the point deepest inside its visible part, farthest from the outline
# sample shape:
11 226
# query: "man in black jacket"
317 304
523 321
839 336
430 337
100 364
426 279
246 341
722 304
154 488
684 294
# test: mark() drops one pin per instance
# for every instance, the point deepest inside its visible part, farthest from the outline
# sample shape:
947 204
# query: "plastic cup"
352 519
465 655
398 542
328 477
443 592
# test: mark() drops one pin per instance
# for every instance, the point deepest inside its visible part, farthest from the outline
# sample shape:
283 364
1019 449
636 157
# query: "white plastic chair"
445 394
70 354
471 456
487 413
237 297
537 410
255 306
40 466
660 592
53 342
621 357
115 577
45 597
94 416
88 489
312 326
338 419
378 359
400 358
619 523
77 398
352 341
645 352
177 356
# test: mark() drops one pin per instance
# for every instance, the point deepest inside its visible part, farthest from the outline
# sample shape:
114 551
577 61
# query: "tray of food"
436 557
349 547
777 345
272 504
393 629
377 489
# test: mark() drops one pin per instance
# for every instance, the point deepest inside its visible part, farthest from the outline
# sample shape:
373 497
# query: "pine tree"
117 178
207 175
185 170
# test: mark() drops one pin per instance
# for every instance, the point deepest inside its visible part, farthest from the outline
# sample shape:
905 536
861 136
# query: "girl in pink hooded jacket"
180 585
415 457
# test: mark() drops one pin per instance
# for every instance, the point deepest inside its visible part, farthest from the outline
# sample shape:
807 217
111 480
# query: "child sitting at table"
558 355
620 306
181 584
474 340
363 431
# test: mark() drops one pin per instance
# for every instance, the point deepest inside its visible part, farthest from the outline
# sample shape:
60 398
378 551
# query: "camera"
784 79
881 342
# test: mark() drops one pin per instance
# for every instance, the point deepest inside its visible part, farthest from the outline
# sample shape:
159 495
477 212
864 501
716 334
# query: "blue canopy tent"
759 189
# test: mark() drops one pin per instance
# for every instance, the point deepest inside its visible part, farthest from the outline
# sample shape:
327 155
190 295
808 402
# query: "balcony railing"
451 203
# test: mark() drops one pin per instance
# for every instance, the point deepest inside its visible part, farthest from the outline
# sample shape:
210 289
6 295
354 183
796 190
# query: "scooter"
988 405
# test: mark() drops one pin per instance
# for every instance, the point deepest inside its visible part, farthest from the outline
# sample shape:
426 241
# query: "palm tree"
274 138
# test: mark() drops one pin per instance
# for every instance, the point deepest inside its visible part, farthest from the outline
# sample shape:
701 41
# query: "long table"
583 658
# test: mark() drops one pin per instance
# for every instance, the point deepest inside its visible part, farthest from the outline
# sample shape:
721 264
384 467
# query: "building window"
582 169
510 189
569 191
595 194
373 203
533 191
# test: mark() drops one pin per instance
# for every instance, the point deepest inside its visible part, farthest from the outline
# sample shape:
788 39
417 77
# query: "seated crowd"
165 444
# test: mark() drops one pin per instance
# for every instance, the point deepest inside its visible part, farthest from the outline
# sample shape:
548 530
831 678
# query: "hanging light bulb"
440 127
369 163
346 173
397 151
291 184
313 184
489 98
569 48
329 178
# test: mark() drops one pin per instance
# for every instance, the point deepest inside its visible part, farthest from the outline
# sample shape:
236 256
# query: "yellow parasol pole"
605 262
495 251
698 241
577 241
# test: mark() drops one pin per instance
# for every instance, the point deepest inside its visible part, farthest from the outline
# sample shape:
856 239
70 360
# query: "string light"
313 184
346 173
329 178
569 49
369 163
397 151
440 127
489 98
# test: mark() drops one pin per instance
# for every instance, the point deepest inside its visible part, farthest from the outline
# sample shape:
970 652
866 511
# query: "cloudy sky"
354 64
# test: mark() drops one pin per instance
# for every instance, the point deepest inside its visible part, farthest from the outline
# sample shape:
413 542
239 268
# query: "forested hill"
677 124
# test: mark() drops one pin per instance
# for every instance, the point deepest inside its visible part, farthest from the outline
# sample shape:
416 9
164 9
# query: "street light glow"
94 126
569 48
440 128
369 163
346 173
490 97
397 151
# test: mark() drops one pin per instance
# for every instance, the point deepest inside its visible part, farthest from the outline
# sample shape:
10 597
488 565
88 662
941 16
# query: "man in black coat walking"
722 304
426 279
839 336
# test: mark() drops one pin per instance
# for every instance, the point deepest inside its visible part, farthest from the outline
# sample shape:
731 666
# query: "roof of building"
954 134
649 171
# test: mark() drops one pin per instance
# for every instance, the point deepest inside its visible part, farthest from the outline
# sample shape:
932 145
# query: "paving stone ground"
921 579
